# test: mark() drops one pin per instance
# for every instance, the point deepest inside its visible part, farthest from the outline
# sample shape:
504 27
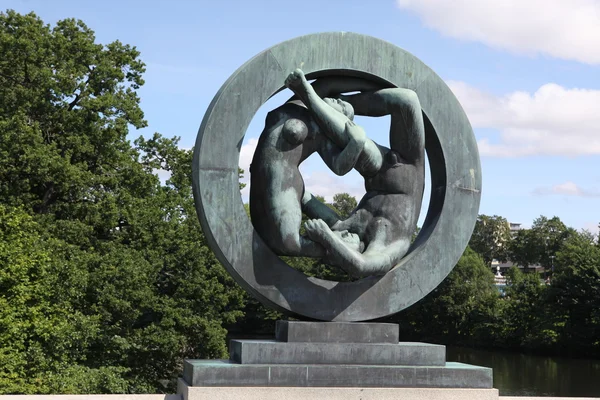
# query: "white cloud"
552 121
567 29
567 189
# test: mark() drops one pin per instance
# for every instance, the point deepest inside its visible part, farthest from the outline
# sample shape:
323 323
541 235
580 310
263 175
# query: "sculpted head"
340 105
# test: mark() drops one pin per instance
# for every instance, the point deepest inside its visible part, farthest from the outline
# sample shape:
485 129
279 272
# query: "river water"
518 374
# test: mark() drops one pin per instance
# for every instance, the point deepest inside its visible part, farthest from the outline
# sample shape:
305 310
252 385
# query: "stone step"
336 332
225 373
339 393
273 352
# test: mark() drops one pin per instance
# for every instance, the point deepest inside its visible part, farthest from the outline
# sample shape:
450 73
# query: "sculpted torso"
277 194
377 233
276 185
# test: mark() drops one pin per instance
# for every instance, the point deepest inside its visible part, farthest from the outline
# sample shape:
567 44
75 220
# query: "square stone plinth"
228 373
336 332
273 352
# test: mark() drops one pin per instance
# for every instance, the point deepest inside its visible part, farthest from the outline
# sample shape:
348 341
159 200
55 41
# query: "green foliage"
459 311
575 293
541 243
524 250
344 204
44 336
67 103
526 321
21 259
107 282
491 237
561 317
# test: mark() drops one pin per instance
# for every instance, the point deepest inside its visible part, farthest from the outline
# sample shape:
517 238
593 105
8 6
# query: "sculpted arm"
341 162
407 133
334 124
331 121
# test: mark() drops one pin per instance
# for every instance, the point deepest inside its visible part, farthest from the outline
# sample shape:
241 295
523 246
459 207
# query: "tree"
524 250
541 243
527 321
461 310
574 293
491 238
344 204
44 339
551 234
126 284
67 103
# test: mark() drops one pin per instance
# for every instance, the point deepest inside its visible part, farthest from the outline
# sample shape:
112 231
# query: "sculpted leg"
285 236
407 131
317 210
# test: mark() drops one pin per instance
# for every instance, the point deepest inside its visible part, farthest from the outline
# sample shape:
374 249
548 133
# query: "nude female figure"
277 195
386 217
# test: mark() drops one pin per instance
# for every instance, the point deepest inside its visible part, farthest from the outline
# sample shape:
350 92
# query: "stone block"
228 373
336 332
304 393
272 352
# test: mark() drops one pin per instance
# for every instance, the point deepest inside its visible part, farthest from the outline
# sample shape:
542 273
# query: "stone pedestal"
306 393
331 360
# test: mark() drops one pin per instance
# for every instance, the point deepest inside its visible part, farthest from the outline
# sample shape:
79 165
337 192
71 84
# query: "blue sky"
526 71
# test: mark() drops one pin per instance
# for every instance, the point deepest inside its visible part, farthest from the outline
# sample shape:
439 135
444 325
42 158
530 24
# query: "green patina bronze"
377 233
425 114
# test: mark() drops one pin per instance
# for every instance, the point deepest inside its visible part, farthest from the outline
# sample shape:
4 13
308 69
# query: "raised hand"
296 80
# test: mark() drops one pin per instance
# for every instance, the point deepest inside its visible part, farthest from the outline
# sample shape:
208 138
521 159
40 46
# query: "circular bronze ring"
455 173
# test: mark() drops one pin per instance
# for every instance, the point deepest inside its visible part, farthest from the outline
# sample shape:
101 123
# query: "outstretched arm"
341 162
331 121
407 132
335 125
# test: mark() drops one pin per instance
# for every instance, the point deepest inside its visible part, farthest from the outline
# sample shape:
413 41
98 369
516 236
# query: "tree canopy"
491 238
109 261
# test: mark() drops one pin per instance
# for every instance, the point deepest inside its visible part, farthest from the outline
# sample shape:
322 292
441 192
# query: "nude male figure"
277 194
386 217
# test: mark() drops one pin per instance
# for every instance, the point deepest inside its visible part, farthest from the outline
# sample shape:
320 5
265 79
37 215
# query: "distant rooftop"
515 226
